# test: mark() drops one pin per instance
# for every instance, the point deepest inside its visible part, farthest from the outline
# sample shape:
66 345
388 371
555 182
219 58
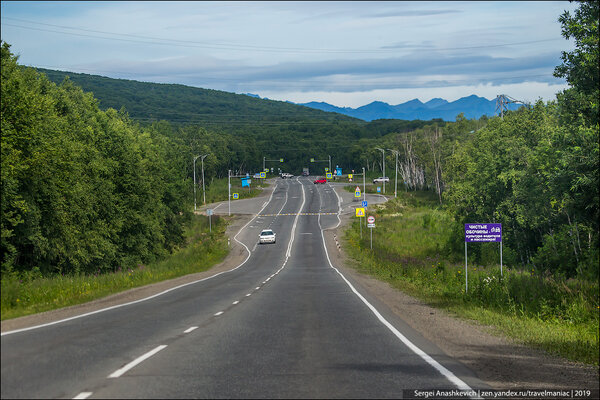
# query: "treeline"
87 190
535 170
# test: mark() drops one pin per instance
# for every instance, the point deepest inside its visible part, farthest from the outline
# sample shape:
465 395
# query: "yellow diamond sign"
360 212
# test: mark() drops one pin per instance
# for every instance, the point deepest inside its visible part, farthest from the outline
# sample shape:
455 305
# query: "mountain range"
472 106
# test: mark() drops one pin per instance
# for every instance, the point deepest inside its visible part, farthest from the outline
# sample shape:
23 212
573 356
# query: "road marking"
135 362
158 294
256 288
188 330
219 313
83 395
460 384
249 294
235 302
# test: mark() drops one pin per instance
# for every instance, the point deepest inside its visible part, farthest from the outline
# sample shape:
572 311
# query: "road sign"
326 169
371 219
378 189
357 192
483 232
236 196
328 175
266 169
370 225
281 160
349 176
360 212
246 182
209 211
338 172
263 175
364 203
312 160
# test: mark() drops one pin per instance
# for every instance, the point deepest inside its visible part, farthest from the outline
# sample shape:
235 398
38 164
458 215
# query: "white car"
286 175
381 179
266 236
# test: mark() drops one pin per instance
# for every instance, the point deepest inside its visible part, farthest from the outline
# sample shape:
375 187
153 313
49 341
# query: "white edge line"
188 330
83 395
460 384
135 362
155 295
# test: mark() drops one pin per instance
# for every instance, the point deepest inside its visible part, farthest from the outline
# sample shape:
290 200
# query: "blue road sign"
364 203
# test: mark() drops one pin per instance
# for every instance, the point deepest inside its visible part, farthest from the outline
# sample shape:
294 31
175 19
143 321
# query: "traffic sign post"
482 233
371 225
357 193
360 212
209 212
236 196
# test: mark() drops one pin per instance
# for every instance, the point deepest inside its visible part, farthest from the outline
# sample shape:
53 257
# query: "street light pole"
383 157
396 181
195 158
203 188
330 163
229 190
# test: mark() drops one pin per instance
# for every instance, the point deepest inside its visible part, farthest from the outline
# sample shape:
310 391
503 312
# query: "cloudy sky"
344 53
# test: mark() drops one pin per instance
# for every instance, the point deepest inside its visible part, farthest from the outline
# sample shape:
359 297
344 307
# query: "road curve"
284 323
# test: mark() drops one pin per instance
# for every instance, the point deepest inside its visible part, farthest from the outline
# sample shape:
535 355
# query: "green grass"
216 190
28 294
540 310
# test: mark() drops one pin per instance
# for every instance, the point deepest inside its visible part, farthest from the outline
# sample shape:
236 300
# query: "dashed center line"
188 330
83 395
235 302
135 362
219 313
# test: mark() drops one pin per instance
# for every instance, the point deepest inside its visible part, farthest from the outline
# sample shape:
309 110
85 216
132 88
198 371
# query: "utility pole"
383 157
203 187
195 158
396 181
229 190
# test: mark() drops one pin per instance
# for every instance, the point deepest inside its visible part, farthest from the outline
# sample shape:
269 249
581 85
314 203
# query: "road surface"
283 324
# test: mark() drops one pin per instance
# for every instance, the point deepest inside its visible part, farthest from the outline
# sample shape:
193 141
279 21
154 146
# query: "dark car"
322 180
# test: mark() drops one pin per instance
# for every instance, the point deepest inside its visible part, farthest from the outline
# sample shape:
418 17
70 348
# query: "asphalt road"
284 324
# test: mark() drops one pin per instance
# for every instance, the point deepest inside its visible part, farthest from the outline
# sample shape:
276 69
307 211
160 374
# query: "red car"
320 181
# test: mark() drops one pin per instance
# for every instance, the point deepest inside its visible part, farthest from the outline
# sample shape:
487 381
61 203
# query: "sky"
344 53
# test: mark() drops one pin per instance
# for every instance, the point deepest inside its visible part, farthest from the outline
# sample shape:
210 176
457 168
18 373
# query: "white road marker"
256 288
83 395
235 302
249 294
135 362
219 313
158 294
459 383
188 330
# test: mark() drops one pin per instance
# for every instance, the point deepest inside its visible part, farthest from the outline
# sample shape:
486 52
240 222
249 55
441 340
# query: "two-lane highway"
284 323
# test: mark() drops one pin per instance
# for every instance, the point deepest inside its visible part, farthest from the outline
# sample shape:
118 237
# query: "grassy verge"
216 190
540 310
26 295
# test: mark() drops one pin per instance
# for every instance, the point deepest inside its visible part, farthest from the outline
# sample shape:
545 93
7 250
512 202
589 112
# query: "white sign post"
371 224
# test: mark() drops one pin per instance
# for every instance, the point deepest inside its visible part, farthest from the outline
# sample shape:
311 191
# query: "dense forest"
86 187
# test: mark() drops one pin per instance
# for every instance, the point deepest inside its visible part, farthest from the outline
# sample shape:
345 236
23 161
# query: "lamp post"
195 158
396 181
203 188
229 191
383 157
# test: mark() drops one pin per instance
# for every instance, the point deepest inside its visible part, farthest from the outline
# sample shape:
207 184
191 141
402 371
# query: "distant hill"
472 106
147 101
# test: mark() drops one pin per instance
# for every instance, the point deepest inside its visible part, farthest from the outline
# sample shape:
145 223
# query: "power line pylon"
502 102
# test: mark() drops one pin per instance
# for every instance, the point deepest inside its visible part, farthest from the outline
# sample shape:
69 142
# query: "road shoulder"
498 361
